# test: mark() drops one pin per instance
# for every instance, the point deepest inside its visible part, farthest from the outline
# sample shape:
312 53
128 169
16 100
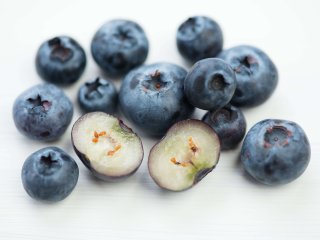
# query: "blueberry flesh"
152 97
275 151
198 38
99 95
60 60
230 125
257 76
49 174
43 112
210 84
119 46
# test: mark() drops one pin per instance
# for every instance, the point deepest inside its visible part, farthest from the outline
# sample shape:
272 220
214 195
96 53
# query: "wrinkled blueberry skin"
119 46
199 37
99 95
210 84
230 125
43 112
60 60
257 76
49 174
275 151
152 97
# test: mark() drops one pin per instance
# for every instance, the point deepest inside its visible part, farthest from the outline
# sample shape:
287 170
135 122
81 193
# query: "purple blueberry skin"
210 84
43 112
49 174
60 60
230 125
257 76
275 152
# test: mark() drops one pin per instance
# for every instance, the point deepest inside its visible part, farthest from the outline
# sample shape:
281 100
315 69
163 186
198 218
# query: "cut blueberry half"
106 146
188 152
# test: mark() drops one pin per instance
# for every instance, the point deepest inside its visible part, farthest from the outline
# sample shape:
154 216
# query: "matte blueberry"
42 112
275 151
60 60
257 76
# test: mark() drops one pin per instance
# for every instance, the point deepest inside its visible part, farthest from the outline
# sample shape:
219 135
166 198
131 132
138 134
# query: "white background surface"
226 204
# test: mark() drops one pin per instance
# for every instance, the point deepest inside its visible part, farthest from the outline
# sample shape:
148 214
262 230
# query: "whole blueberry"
210 84
99 95
43 112
199 37
49 174
60 60
257 76
230 125
152 97
275 151
119 46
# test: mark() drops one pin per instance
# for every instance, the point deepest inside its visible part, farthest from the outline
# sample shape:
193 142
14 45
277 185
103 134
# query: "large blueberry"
42 112
118 46
275 151
152 97
49 174
60 60
199 37
257 76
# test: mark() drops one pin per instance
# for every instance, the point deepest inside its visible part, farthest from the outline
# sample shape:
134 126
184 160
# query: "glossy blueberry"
210 84
230 125
43 112
99 95
49 174
60 60
257 76
152 97
275 151
118 46
198 38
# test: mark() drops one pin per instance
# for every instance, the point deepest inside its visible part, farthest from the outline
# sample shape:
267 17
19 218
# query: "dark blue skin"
49 174
119 46
43 112
99 95
230 125
60 60
257 76
152 97
275 151
199 37
210 84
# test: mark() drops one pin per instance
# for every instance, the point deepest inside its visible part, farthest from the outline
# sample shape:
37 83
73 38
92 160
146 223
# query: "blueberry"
98 95
152 97
275 151
198 38
119 46
257 76
230 125
210 84
60 60
49 174
43 112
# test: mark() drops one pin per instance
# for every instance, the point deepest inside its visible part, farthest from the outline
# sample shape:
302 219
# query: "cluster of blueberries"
154 98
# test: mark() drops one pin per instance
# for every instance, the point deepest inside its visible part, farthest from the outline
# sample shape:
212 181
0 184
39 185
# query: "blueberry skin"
49 174
119 46
199 37
275 151
43 112
257 76
99 95
210 84
230 125
60 60
152 97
